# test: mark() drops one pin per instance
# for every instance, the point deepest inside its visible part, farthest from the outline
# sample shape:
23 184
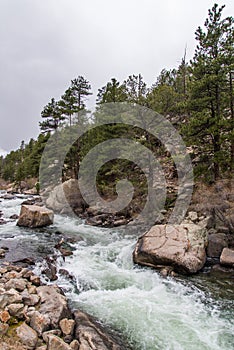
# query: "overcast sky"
46 43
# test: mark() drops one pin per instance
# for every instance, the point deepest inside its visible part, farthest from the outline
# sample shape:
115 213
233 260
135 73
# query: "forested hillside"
197 97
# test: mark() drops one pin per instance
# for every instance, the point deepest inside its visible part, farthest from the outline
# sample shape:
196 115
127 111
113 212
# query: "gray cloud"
45 44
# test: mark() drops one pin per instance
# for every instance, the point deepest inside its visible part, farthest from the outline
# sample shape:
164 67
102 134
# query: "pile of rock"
35 316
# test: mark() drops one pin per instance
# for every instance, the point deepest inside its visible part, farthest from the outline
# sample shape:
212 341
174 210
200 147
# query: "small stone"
30 299
27 336
11 274
2 253
192 215
75 345
16 283
43 347
68 339
3 270
227 257
14 217
32 289
46 335
28 274
164 272
40 323
35 280
3 328
67 326
4 316
15 268
16 310
30 313
9 297
51 273
23 272
55 343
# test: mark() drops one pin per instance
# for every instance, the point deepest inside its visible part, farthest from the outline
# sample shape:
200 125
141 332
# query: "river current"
149 311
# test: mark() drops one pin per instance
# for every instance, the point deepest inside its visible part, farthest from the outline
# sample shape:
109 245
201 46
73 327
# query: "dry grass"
219 195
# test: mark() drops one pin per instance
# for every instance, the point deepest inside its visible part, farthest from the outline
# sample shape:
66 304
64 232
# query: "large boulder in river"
35 216
65 197
179 246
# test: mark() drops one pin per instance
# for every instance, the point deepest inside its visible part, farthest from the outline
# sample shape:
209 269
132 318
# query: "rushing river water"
149 311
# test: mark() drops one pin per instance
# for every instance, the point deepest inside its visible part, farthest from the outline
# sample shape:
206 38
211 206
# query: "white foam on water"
152 312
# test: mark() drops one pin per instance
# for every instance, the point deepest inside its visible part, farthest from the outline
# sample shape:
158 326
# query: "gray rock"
30 299
56 343
46 335
12 274
35 280
227 257
53 304
16 283
27 336
75 345
9 297
2 253
35 216
3 328
67 338
192 215
216 243
91 335
67 326
16 310
65 196
180 246
32 289
40 323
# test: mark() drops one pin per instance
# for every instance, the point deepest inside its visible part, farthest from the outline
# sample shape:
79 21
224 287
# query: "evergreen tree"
113 91
136 89
207 101
73 100
52 115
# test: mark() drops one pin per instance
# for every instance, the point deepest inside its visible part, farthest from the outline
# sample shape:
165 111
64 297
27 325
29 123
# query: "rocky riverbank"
186 252
37 316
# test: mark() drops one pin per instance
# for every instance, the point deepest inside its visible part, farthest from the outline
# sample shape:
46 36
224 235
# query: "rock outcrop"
66 197
179 246
35 216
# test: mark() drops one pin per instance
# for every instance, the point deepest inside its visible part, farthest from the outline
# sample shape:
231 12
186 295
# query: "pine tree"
136 89
207 101
52 115
74 98
113 91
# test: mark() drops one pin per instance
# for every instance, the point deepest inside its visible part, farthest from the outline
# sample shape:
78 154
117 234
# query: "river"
150 311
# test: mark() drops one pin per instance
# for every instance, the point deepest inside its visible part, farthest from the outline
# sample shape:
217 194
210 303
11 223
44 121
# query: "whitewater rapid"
149 311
